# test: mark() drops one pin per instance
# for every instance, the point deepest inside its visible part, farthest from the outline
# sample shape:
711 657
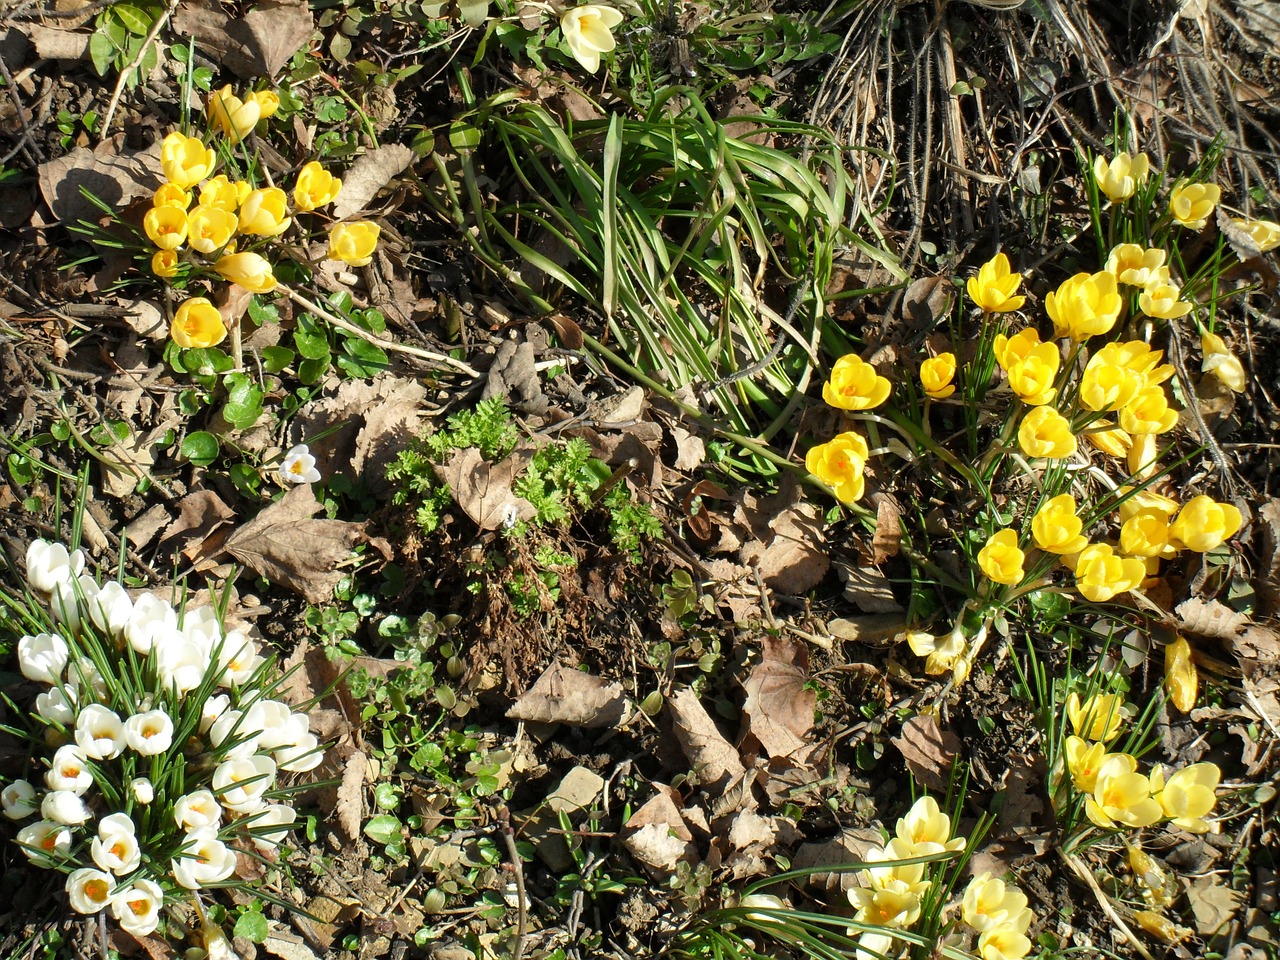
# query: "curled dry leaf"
350 805
779 709
483 489
658 836
368 175
291 549
113 177
706 749
565 695
928 751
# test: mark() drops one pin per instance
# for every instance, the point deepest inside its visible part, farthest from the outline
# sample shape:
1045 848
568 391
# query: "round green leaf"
383 828
201 448
252 926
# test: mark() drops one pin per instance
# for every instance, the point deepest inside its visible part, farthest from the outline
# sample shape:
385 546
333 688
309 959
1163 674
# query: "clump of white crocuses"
157 744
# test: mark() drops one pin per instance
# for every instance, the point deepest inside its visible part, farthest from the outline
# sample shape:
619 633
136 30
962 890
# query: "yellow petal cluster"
1222 363
1084 305
1162 301
1135 265
1181 679
1001 559
936 375
1120 177
166 226
1190 204
1097 718
1031 376
1084 760
1056 526
1101 574
1044 432
854 384
250 270
265 212
353 243
197 323
223 193
1188 795
1122 796
839 463
236 118
1148 413
1265 234
209 229
185 160
1203 524
995 288
1146 534
926 829
171 195
315 187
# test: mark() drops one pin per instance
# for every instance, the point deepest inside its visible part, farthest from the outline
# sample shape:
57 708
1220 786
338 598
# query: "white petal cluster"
102 732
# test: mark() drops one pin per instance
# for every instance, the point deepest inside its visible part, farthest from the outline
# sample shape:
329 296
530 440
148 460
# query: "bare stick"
1083 872
522 917
124 74
391 345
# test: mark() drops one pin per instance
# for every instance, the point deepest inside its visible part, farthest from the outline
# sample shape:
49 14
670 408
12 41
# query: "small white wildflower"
64 806
115 848
100 733
150 619
137 907
299 466
203 859
150 733
240 784
69 770
196 811
57 705
43 839
42 657
272 815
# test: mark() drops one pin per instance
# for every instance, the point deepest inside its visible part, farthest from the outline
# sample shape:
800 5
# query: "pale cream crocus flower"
588 32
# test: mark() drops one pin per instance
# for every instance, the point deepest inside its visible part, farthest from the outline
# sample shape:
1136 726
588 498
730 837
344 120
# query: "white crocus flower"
69 770
150 618
100 733
49 564
137 907
64 806
201 627
271 717
111 609
234 727
57 705
44 840
197 811
272 815
65 604
300 757
237 659
299 466
588 32
90 890
142 790
240 784
213 708
18 799
43 657
115 848
203 859
149 733
181 664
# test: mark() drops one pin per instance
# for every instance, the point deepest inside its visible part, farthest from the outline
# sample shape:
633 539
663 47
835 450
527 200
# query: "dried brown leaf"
706 749
1210 618
1213 904
794 559
291 549
273 31
850 847
868 588
779 710
888 536
350 805
54 44
658 836
926 301
928 751
483 490
565 695
199 514
368 175
114 178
